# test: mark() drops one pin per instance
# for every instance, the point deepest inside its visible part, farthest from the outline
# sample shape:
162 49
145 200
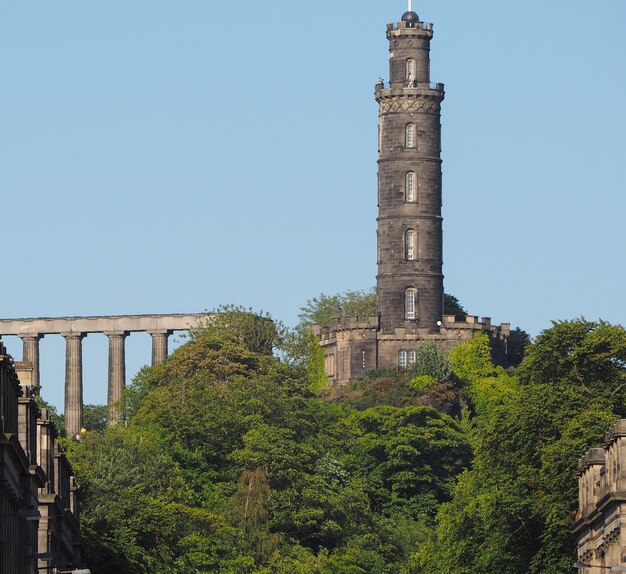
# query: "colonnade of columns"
75 329
74 371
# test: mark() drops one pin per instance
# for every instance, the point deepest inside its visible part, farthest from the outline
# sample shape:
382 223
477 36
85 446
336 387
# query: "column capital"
74 335
113 334
31 337
165 332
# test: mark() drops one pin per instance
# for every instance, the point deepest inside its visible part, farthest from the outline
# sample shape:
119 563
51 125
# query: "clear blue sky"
161 156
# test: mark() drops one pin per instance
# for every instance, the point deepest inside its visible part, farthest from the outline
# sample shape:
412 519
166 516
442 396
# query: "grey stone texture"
417 107
117 375
38 493
599 527
73 384
31 355
408 102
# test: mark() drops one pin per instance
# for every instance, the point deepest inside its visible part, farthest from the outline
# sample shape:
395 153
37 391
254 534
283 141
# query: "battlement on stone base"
409 26
343 324
473 323
353 345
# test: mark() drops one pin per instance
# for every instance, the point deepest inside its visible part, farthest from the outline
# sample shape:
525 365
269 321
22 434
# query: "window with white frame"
410 300
411 187
410 135
402 358
409 245
411 356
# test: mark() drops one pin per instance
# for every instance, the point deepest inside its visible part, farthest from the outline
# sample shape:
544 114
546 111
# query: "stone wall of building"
39 527
601 524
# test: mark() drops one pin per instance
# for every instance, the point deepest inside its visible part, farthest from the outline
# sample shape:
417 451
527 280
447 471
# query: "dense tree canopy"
231 463
512 511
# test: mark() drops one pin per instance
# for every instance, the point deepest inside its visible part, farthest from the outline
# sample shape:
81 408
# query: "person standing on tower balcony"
411 81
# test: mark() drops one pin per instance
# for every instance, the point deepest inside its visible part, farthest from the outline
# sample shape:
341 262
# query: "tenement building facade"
601 524
409 284
39 518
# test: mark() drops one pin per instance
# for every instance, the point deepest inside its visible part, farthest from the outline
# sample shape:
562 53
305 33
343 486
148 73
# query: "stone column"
117 374
73 383
31 354
159 346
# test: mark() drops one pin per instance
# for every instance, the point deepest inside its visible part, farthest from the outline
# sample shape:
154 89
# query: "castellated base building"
409 284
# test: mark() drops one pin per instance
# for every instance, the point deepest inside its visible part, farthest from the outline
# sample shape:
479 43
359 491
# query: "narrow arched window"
411 187
411 356
402 359
410 73
410 135
410 67
409 245
410 300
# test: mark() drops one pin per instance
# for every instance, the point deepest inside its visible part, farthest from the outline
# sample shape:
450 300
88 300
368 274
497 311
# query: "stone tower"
409 284
410 280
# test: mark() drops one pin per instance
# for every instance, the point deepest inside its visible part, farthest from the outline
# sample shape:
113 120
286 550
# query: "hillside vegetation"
230 463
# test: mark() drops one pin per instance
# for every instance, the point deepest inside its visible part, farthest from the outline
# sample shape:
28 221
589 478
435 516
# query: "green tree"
432 361
409 456
321 310
247 509
231 464
517 343
315 363
452 306
512 511
137 516
95 417
257 331
471 361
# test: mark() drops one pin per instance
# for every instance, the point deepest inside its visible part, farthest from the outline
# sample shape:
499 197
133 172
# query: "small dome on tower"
410 17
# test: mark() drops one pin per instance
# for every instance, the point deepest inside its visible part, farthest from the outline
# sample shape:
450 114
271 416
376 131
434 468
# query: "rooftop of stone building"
617 430
591 457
